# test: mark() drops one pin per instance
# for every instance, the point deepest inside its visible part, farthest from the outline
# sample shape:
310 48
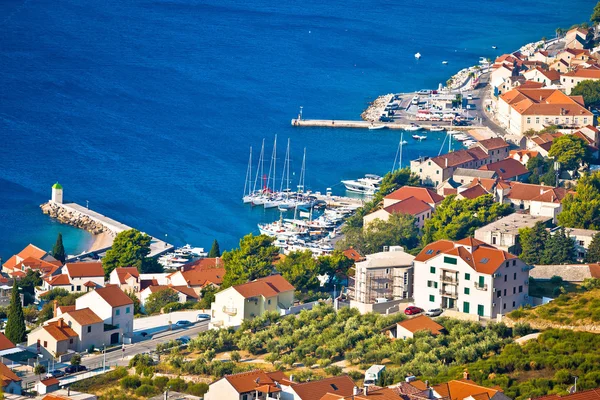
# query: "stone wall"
72 218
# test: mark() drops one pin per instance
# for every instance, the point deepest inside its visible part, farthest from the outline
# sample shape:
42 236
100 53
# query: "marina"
328 123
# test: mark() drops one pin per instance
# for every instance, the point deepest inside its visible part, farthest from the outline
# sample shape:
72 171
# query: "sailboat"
247 198
281 197
398 158
256 196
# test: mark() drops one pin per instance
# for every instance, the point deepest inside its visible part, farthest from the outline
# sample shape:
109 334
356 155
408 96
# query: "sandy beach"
102 241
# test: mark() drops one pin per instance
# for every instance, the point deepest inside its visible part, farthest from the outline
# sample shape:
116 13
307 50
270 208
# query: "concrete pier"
329 123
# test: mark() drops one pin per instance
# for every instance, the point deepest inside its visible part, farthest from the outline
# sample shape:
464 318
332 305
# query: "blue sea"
147 109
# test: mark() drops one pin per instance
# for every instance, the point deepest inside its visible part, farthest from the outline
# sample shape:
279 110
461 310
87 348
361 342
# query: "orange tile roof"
85 316
487 183
411 206
314 390
204 263
249 381
59 330
473 192
5 343
204 276
50 381
268 287
585 73
531 192
85 269
59 280
353 254
124 273
421 323
493 143
591 394
7 375
506 169
461 389
373 393
460 157
114 296
65 309
544 102
424 194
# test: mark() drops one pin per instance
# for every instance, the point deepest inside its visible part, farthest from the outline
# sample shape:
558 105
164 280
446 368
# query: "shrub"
235 356
197 389
177 384
356 375
522 329
334 370
556 280
146 391
161 382
131 382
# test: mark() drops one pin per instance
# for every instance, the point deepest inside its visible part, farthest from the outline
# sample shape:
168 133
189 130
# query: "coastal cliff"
73 218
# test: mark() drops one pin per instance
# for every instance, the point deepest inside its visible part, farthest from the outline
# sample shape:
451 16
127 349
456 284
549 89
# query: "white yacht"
413 128
369 184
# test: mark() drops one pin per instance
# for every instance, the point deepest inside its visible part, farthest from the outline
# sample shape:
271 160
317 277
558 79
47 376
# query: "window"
515 276
481 281
72 288
504 306
585 120
79 288
505 278
581 242
514 290
537 120
127 310
528 120
269 301
429 283
45 343
480 310
521 289
504 292
432 270
435 285
499 293
467 290
467 277
437 172
514 304
70 324
507 264
89 329
514 262
387 270
118 312
494 240
431 298
450 260
466 307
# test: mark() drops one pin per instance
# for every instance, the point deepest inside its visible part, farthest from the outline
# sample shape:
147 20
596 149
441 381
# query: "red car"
412 310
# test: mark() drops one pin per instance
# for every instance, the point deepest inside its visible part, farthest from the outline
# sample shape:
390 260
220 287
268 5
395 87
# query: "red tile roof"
59 280
411 206
530 192
85 269
460 157
59 330
250 381
461 389
314 390
591 394
421 323
204 263
424 194
125 273
50 381
7 375
85 316
204 276
353 254
506 169
114 296
5 343
268 287
493 143
585 73
473 192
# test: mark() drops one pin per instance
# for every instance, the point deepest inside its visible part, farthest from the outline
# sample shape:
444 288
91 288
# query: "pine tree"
58 251
593 252
532 242
15 326
558 249
215 251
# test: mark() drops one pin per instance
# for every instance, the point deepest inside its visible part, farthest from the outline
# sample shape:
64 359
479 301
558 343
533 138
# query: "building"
504 232
406 329
90 329
76 277
570 79
576 38
127 278
184 293
47 385
11 383
426 195
250 385
31 257
471 277
382 277
521 110
198 277
113 306
57 193
341 385
57 337
246 301
466 389
420 210
591 394
539 200
68 394
523 156
545 77
583 239
466 175
353 255
508 169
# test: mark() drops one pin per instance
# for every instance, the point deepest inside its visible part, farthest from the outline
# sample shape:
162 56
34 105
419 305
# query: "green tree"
15 326
157 300
207 296
398 230
457 219
593 253
137 305
559 248
395 180
252 260
76 360
570 151
590 90
29 282
532 243
215 251
595 18
130 249
582 210
39 369
335 264
58 251
300 269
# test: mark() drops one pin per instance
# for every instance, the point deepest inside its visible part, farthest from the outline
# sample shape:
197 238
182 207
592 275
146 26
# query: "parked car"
434 312
424 91
412 310
57 373
71 369
203 317
183 322
184 339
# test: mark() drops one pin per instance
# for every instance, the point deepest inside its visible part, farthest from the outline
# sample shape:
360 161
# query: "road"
120 357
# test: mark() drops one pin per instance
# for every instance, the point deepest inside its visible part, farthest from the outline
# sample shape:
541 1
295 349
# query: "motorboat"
376 127
419 137
436 128
469 143
444 62
494 47
418 55
413 127
369 184
454 133
461 137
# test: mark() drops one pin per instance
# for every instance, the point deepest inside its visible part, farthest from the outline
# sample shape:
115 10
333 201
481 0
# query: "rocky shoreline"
73 218
376 108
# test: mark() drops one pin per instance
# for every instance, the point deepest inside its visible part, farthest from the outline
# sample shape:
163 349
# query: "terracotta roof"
480 256
65 309
90 284
114 296
421 323
522 153
411 205
35 263
552 74
531 85
59 280
460 157
585 73
473 192
5 343
85 269
31 251
85 316
59 330
204 276
125 273
544 102
487 183
50 381
7 375
461 389
592 394
339 385
424 194
204 263
493 143
506 169
353 254
373 393
268 287
249 381
450 191
530 192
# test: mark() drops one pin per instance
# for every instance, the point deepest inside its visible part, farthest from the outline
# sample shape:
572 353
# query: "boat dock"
329 123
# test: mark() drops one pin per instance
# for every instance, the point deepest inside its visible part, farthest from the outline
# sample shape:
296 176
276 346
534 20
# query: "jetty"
329 123
82 217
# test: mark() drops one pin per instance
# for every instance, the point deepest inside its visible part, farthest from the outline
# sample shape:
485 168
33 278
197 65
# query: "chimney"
446 159
355 391
366 390
466 375
291 378
54 306
60 323
426 383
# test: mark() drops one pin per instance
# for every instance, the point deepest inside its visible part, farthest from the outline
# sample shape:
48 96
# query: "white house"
406 329
471 277
113 306
250 385
77 277
127 278
11 383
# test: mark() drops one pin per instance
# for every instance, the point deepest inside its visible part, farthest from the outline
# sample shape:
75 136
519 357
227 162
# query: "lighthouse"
57 193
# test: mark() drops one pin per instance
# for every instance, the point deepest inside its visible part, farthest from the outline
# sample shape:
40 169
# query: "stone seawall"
73 218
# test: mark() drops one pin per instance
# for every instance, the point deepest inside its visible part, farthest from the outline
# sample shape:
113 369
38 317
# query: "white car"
434 312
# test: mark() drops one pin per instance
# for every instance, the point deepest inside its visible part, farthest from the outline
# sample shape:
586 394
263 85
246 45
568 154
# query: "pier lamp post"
87 204
300 115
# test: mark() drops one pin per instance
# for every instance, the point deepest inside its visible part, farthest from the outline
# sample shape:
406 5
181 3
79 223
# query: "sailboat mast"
401 144
286 169
248 180
260 166
272 166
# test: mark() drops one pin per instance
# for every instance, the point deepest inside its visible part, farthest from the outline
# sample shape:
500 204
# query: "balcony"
449 279
230 311
480 287
448 293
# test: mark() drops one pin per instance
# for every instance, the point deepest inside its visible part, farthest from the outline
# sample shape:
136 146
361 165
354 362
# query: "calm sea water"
147 108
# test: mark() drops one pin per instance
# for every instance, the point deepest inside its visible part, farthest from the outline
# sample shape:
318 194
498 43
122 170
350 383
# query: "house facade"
570 79
113 306
420 210
127 278
57 337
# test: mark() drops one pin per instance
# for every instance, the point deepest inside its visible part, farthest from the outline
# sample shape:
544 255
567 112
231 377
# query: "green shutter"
435 285
481 281
480 310
467 277
466 307
467 290
432 270
450 260
431 298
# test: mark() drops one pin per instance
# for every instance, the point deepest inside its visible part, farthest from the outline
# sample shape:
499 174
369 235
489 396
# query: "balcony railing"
230 311
448 293
480 287
449 279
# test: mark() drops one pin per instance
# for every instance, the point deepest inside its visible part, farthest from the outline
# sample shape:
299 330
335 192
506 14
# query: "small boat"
403 142
444 62
369 184
494 47
376 127
419 137
436 128
469 143
418 55
454 133
461 137
413 127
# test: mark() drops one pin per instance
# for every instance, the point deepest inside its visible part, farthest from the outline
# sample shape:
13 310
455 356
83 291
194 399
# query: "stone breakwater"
374 111
74 218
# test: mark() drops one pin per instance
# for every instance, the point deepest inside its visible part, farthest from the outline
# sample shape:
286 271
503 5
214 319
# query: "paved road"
119 357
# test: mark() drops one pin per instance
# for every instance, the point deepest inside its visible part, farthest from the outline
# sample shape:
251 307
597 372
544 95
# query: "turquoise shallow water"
147 108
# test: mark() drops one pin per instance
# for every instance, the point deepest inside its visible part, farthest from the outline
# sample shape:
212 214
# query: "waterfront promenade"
328 123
